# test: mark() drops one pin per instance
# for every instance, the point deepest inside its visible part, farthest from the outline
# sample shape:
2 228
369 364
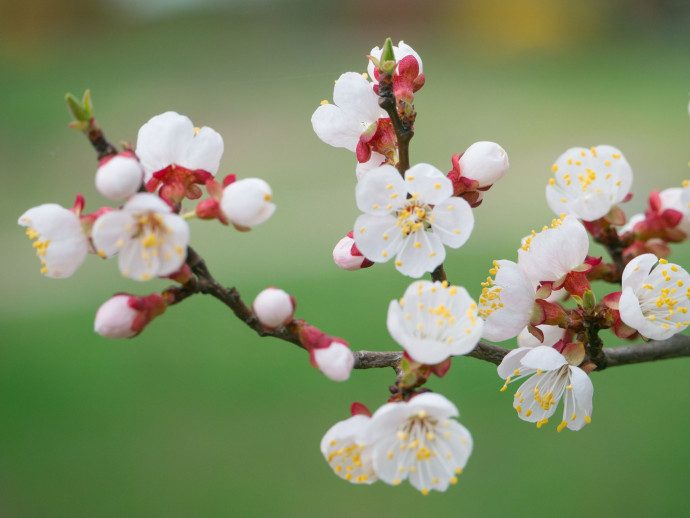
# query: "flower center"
150 228
414 216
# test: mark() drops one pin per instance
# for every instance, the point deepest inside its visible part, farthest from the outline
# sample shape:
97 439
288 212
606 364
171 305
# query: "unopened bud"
347 256
119 176
125 316
484 162
335 361
273 307
247 203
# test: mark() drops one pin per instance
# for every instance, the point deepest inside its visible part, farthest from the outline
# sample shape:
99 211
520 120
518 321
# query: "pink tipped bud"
247 203
274 307
484 162
348 257
125 316
335 361
118 177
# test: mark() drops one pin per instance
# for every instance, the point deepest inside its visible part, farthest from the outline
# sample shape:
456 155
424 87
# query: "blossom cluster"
410 214
149 233
416 440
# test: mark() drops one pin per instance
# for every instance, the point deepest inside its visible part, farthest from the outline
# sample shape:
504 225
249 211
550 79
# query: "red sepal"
359 409
441 369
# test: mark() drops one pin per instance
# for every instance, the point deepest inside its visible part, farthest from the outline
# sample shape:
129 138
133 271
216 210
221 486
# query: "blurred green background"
198 416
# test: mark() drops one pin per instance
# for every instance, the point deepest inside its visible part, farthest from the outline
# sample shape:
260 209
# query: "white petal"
434 404
204 151
356 97
381 191
376 160
512 362
163 140
582 393
453 222
145 202
552 334
554 252
377 237
336 127
637 270
544 358
429 183
109 232
415 261
64 245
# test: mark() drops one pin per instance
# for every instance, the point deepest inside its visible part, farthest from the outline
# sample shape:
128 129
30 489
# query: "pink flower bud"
335 361
118 177
484 162
273 307
125 316
347 256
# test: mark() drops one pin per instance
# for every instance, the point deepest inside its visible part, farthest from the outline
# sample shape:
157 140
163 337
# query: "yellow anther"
588 419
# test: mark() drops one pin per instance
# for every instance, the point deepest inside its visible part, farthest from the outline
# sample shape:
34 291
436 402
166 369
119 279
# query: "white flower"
414 229
588 182
355 110
434 321
273 307
485 162
118 177
247 203
554 252
506 302
655 297
170 139
346 449
60 244
151 240
401 51
418 440
335 361
554 379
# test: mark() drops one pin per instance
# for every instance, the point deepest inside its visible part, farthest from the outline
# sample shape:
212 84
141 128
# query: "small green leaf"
387 53
87 103
75 108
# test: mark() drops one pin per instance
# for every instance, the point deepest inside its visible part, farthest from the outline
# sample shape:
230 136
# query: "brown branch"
403 131
675 347
98 140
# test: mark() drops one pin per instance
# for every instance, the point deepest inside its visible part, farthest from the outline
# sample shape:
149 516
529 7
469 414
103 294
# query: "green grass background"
198 416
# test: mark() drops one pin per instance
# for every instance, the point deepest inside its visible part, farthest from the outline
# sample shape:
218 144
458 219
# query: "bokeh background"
198 416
